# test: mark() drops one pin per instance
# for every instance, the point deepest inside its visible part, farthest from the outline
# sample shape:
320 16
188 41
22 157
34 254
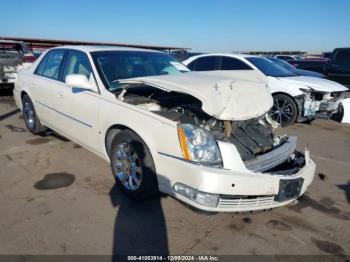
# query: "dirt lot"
89 216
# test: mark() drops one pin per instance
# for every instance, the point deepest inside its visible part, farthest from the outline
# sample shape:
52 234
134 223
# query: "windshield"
282 63
270 68
116 65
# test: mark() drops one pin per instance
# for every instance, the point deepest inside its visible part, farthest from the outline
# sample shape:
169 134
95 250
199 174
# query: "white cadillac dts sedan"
201 138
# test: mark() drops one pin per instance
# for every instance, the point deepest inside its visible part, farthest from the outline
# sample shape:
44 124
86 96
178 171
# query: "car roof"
224 54
342 48
239 56
88 48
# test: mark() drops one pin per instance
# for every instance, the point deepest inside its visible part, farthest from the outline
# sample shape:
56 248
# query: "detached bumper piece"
273 158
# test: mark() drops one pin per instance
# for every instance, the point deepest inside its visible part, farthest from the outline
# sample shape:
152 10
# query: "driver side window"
77 63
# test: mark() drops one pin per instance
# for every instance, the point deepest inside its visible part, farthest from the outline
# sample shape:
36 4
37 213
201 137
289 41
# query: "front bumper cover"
239 191
322 105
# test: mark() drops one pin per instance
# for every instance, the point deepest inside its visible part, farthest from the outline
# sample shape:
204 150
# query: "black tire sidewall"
37 126
294 108
149 184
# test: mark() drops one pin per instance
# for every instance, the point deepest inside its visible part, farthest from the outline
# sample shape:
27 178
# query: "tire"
338 116
132 166
30 117
309 121
284 110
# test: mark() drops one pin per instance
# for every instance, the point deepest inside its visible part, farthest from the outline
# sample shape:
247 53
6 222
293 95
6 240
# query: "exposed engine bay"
254 139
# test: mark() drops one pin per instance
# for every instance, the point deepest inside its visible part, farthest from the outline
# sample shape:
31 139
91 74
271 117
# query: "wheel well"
111 133
281 93
285 94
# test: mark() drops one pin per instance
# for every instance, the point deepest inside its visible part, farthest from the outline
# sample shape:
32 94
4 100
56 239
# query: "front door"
80 106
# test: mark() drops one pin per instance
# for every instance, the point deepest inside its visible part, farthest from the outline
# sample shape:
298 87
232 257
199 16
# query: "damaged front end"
259 147
318 104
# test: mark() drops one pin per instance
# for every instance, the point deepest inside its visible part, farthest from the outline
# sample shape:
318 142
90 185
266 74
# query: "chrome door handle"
60 95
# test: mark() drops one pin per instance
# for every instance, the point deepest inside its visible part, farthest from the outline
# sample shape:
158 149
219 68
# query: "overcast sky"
203 25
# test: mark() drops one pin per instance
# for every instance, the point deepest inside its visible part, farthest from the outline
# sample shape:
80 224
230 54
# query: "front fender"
277 86
160 135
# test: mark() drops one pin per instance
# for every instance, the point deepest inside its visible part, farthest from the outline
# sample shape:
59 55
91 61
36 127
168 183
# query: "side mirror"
81 81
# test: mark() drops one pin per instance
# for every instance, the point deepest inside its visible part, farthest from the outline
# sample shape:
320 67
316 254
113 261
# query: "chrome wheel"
29 115
282 110
127 166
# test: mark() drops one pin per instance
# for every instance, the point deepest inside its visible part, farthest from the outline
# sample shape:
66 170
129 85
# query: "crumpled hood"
318 84
224 96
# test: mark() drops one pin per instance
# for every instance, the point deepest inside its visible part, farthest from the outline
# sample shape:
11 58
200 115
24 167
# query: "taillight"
29 59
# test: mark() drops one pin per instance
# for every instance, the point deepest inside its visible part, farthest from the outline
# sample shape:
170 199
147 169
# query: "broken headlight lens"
198 145
306 90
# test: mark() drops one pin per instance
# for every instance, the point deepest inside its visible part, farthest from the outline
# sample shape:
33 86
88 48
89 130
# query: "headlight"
305 90
198 145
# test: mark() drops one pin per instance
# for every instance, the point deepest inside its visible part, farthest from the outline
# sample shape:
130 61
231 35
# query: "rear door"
338 69
46 87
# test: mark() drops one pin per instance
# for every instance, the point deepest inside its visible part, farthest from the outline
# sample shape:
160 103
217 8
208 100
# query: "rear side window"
52 66
40 69
77 63
228 63
192 65
207 63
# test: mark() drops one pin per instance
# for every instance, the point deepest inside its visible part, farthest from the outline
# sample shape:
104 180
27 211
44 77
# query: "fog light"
204 199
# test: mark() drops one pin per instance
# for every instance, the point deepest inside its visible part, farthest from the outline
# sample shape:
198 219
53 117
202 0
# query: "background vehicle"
296 98
326 55
285 57
297 71
338 66
164 130
316 65
14 56
181 55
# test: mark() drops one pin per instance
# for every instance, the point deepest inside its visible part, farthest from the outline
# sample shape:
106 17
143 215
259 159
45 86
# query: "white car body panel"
289 88
346 116
85 117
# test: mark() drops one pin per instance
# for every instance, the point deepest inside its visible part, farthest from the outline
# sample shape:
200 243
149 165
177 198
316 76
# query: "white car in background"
194 136
296 98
